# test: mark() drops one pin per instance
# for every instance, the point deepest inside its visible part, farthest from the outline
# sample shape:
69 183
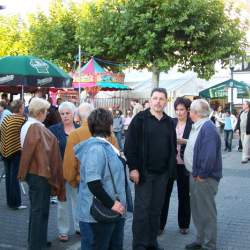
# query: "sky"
23 7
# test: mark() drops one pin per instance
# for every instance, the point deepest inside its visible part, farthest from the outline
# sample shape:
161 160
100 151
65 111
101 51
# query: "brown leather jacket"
41 156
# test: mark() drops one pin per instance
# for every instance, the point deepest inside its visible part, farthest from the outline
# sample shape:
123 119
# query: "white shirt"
114 148
243 121
189 150
26 126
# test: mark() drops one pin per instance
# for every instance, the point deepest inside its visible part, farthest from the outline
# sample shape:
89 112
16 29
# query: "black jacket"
136 145
186 133
248 123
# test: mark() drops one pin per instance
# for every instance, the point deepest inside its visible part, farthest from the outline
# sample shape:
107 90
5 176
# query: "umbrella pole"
22 97
79 82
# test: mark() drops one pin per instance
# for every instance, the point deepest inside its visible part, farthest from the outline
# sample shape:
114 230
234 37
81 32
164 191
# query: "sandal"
63 238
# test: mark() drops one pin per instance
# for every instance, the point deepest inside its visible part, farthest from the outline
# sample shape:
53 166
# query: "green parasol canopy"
30 71
221 90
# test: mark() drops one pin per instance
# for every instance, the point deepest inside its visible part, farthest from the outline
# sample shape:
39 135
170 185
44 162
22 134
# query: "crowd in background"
75 154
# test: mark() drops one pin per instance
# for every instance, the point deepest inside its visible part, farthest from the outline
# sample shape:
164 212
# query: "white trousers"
245 139
66 210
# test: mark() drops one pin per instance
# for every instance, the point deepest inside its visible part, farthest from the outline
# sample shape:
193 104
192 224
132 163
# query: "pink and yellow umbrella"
93 78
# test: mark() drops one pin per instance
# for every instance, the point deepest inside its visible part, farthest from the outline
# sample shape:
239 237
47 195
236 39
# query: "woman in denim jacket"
95 155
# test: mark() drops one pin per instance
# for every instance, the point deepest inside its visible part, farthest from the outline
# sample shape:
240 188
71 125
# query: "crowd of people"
77 154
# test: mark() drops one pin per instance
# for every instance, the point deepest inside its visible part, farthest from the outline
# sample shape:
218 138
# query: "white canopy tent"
176 83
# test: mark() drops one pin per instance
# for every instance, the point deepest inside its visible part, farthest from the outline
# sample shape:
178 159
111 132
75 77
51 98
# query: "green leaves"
192 34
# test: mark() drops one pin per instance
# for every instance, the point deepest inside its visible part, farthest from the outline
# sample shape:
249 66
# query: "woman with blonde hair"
41 168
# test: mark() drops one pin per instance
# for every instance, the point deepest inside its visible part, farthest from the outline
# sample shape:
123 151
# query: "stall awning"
221 90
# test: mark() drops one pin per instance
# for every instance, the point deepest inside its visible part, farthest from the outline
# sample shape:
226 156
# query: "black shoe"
160 232
193 246
155 248
225 149
229 150
243 162
48 244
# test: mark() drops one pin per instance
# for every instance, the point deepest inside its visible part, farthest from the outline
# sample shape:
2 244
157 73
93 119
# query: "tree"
158 34
13 36
53 36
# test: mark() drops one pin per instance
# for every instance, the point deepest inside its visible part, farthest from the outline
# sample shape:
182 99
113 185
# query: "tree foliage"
13 36
53 36
153 34
158 34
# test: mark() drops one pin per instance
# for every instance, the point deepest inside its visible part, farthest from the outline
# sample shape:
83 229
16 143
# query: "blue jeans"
118 136
108 236
86 235
228 135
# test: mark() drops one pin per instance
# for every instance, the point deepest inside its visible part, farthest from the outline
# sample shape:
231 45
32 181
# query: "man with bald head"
71 164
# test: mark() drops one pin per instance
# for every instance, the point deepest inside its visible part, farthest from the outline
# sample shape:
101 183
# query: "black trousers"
147 210
13 192
39 194
184 212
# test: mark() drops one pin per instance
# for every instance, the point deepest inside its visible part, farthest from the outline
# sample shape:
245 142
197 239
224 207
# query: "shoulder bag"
101 213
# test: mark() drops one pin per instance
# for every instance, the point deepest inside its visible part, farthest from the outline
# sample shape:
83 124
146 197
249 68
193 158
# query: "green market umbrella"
29 72
220 90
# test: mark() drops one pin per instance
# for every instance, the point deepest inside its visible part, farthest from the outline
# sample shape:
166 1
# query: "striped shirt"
10 134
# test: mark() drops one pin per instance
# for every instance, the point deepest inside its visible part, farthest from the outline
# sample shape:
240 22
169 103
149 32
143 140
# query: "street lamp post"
231 65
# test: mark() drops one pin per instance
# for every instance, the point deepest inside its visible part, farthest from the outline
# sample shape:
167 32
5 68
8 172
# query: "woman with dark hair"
98 160
183 125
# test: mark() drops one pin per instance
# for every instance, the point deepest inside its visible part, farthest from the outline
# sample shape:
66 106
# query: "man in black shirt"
150 149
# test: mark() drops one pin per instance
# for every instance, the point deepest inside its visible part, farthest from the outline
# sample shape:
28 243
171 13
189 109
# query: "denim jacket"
94 156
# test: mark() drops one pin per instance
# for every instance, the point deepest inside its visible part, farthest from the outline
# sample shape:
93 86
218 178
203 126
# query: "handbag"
101 213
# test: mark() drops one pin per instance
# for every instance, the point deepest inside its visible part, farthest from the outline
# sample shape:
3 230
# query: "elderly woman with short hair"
61 131
40 166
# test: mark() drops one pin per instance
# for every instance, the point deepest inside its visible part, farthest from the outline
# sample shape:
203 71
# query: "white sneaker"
53 200
21 207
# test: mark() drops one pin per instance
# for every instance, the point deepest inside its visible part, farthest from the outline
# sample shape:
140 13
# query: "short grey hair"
84 110
67 105
201 107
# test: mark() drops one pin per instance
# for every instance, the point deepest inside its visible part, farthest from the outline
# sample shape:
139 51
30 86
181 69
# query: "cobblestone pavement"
233 205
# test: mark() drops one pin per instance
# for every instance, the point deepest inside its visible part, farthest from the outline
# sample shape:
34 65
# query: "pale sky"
23 7
26 6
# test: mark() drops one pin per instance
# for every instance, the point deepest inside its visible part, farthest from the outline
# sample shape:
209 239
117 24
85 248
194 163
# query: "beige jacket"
70 163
